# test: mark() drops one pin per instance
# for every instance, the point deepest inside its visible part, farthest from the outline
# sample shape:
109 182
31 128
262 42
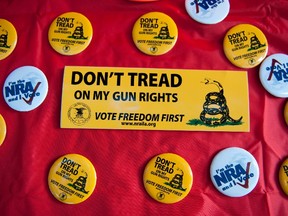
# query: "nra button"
283 176
273 75
207 11
155 33
72 179
168 178
8 38
234 172
25 88
70 33
2 129
245 46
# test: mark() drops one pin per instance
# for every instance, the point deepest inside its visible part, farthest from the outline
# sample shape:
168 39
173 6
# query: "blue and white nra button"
274 74
207 11
234 172
25 88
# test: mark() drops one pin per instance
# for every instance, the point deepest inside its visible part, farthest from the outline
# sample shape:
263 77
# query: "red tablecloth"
35 140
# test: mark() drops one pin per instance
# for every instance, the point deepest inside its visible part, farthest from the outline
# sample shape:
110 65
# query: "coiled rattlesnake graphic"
215 110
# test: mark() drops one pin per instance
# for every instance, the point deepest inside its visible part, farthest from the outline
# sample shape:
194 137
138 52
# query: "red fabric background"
34 139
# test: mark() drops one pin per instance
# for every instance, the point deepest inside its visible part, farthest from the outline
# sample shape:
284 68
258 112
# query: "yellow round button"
283 176
70 33
72 179
8 38
245 46
286 112
2 129
155 33
168 178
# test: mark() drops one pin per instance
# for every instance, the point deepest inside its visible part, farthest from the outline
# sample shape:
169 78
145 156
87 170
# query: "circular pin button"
283 176
245 46
168 178
234 172
8 38
25 88
273 76
2 129
70 33
286 112
72 179
207 12
155 33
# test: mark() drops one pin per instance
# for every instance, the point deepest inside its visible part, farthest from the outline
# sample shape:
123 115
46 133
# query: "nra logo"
231 176
206 4
278 70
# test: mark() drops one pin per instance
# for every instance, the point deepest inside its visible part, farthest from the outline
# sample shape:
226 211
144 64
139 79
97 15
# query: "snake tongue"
207 81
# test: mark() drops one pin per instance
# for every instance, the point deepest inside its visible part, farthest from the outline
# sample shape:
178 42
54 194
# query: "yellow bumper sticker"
154 99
